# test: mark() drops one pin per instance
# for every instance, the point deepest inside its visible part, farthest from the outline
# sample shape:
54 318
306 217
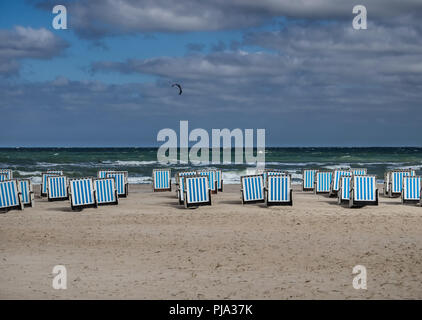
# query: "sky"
297 69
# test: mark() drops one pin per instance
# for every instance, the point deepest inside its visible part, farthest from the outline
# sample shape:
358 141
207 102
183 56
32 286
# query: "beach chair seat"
219 174
196 191
252 189
161 180
180 182
395 182
105 191
359 171
57 188
279 190
44 177
8 173
323 182
308 181
411 189
121 178
335 182
343 195
363 191
212 179
27 193
10 197
82 193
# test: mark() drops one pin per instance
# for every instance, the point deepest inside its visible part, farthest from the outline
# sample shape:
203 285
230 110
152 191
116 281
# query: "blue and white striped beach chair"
196 191
10 197
57 188
121 178
8 173
101 174
335 182
359 171
105 191
252 189
323 181
3 177
180 182
411 189
82 193
343 194
161 180
395 182
363 191
279 190
44 177
25 189
219 180
212 179
308 183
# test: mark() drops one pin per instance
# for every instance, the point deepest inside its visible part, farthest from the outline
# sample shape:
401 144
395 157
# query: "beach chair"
308 180
411 190
8 173
335 181
3 177
323 182
359 171
279 190
10 197
212 179
252 189
161 180
121 178
44 177
219 180
180 182
363 191
101 174
395 182
343 195
196 191
57 188
105 191
25 189
82 193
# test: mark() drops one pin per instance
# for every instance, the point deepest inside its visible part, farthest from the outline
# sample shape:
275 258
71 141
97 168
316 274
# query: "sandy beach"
149 247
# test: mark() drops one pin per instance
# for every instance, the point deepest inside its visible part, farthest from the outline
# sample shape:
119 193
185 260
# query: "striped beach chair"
359 171
8 173
196 191
411 189
3 177
180 182
395 182
343 195
363 191
308 181
10 197
335 182
44 177
252 189
212 179
25 189
121 178
323 181
82 193
219 180
161 180
105 191
101 174
279 190
57 188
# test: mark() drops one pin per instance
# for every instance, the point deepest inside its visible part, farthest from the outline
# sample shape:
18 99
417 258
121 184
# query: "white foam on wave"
139 180
29 173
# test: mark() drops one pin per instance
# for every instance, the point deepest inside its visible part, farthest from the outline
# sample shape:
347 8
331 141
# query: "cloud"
97 18
23 43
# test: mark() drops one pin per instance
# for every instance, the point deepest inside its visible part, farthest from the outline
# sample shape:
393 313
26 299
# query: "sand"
149 247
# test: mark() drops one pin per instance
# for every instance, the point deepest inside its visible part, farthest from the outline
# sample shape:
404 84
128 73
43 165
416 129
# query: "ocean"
139 162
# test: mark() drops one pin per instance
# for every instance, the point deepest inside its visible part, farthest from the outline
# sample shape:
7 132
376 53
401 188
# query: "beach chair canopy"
411 188
44 178
196 190
336 178
344 193
82 192
364 189
323 181
396 180
57 187
8 173
359 171
121 178
279 189
105 191
212 178
10 197
25 188
161 179
252 188
309 179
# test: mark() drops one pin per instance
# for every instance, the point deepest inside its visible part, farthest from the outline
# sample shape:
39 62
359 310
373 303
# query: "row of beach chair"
82 192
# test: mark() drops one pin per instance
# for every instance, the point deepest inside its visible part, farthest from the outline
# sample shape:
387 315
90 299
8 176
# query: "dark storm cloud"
20 43
99 18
